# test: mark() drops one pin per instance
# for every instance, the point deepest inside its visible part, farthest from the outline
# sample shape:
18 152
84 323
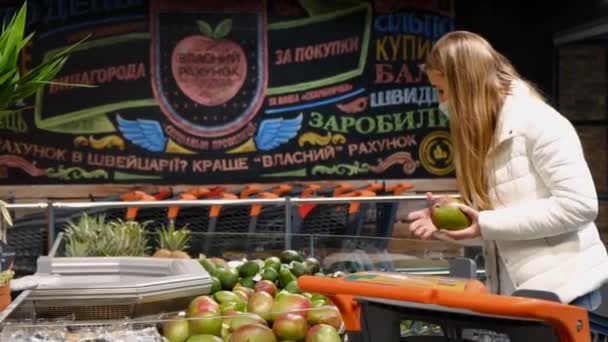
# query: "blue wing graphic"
275 132
144 133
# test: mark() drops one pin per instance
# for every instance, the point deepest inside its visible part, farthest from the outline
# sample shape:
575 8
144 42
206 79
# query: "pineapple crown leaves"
86 228
126 238
173 239
94 236
83 236
13 86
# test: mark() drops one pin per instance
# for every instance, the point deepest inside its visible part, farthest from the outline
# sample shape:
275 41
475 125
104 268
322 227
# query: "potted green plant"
13 86
7 275
5 288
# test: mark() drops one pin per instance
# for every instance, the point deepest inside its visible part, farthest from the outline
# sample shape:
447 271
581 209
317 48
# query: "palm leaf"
14 87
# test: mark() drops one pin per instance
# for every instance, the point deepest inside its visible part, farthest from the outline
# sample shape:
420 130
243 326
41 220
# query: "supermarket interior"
303 170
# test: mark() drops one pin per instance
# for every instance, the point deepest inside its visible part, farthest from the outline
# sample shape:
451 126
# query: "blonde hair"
479 79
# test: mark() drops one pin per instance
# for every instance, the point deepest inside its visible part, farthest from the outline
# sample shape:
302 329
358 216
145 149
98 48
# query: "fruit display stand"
239 273
314 287
101 299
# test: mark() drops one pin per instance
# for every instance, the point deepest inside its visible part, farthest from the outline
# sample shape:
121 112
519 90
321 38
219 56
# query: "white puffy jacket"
545 203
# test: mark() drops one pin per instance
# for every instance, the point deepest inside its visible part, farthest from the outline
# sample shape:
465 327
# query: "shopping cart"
392 307
599 326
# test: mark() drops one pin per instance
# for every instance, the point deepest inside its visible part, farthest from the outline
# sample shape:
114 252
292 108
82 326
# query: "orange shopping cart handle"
571 323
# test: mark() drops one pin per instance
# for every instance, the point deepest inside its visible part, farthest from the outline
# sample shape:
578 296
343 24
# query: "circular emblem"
210 72
209 76
436 153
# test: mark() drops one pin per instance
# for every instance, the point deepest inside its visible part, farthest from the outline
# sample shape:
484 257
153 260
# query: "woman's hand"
422 226
471 231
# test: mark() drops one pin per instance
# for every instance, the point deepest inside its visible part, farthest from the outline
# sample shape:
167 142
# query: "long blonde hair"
479 79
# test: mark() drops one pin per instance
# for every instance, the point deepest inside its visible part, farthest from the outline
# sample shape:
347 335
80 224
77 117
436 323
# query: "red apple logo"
208 69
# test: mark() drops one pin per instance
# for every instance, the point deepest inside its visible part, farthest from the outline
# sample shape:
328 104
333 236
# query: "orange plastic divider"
400 188
570 322
282 189
257 208
354 207
163 194
200 192
191 195
375 187
136 195
174 211
216 191
342 188
250 189
309 191
216 209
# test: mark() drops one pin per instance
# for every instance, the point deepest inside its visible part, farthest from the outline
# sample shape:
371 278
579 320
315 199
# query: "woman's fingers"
422 228
472 213
418 214
415 225
467 233
420 232
428 234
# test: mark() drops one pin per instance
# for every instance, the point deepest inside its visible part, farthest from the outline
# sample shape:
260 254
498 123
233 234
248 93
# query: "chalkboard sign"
231 91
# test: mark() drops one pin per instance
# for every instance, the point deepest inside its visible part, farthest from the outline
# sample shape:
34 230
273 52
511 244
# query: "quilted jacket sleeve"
556 153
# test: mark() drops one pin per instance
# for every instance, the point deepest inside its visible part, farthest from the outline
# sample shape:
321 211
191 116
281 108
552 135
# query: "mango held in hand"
445 214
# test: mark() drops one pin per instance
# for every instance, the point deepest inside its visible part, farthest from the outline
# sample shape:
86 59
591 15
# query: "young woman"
521 173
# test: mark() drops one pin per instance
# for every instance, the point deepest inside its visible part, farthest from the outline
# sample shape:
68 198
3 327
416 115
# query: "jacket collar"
509 119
